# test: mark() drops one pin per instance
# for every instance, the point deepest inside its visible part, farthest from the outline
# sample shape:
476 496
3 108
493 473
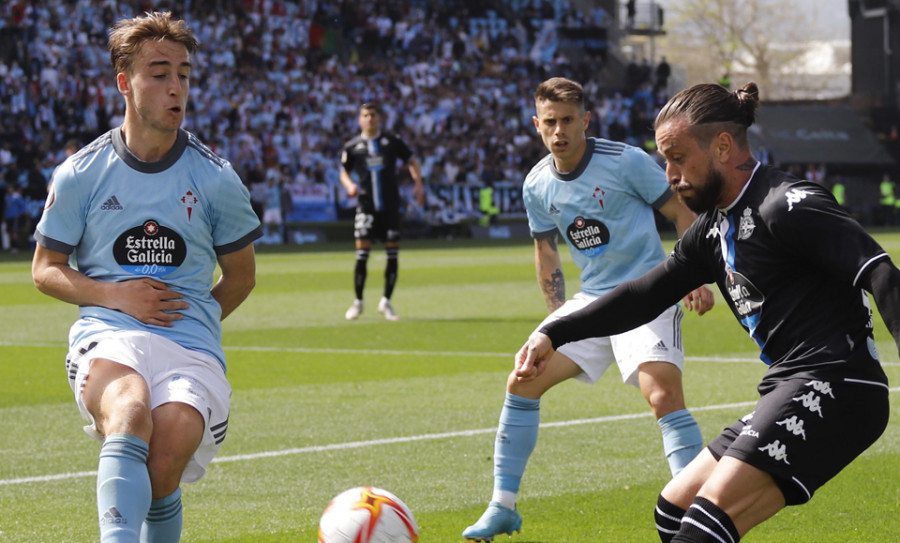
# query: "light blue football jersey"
121 218
603 209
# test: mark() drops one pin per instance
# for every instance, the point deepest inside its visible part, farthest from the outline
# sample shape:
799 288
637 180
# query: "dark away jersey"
788 260
372 163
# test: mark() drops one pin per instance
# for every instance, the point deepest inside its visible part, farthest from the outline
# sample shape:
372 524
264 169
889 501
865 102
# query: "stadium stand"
276 87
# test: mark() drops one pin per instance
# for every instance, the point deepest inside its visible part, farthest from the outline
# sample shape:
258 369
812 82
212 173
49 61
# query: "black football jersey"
372 162
787 259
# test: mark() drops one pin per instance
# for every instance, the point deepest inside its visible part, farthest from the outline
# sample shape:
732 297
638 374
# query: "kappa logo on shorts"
822 387
793 425
777 451
811 401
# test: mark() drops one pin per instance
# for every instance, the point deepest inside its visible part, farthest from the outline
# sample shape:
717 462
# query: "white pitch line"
313 350
371 443
386 441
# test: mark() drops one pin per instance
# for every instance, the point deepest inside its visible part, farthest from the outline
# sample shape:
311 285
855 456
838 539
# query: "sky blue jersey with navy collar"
121 218
603 209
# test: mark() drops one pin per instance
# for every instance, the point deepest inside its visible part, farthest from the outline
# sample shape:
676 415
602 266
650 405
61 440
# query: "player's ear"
537 124
724 146
122 83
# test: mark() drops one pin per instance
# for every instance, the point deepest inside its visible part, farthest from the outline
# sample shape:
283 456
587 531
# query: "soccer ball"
367 514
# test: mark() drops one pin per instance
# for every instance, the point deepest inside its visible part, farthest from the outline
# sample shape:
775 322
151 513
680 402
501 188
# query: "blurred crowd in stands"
276 85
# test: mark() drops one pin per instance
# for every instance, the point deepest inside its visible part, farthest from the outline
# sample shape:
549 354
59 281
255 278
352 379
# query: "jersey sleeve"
63 220
809 221
539 221
646 177
404 152
235 224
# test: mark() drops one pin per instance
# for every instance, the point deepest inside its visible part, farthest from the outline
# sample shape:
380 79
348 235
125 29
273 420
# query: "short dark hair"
371 106
560 89
710 109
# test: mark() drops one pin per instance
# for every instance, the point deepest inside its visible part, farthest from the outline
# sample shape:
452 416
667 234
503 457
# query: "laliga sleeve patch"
150 250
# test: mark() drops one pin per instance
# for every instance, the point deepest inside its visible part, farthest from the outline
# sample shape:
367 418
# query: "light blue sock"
163 522
123 488
682 439
516 437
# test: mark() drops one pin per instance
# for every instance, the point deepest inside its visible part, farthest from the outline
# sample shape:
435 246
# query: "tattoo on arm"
555 287
748 165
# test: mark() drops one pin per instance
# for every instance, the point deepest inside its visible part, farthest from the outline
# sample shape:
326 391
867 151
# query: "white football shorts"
657 341
172 373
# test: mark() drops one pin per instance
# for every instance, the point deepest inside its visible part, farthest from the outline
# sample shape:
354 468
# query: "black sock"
704 522
668 519
390 272
359 273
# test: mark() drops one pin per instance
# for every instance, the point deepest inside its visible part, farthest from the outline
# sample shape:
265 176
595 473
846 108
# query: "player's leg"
392 251
118 399
651 357
660 383
363 247
678 494
517 435
191 403
177 432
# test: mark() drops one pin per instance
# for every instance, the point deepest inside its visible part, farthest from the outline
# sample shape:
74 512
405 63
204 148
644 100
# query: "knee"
127 415
165 473
664 400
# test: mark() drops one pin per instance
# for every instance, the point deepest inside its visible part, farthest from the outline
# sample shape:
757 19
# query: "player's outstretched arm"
145 299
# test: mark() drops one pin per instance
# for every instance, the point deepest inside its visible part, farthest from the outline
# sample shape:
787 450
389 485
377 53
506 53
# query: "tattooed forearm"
554 288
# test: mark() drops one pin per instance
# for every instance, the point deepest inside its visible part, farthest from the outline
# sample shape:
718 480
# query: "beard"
706 197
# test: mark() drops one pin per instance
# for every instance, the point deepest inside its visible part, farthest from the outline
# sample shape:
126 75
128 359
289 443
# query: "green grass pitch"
321 404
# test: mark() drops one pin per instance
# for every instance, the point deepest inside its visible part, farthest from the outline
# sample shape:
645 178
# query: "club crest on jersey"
189 200
150 249
589 236
746 227
598 195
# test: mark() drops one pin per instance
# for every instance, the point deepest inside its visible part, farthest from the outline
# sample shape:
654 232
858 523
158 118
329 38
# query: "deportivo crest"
589 236
746 227
150 249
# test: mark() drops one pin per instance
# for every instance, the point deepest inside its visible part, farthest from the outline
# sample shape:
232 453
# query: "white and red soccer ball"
367 514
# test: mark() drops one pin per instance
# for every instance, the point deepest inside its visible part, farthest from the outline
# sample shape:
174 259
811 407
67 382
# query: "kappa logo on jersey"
189 201
112 204
746 227
776 450
795 196
793 425
150 249
589 236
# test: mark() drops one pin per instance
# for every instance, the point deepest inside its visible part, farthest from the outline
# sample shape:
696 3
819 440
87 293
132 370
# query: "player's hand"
531 360
352 190
700 300
149 301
